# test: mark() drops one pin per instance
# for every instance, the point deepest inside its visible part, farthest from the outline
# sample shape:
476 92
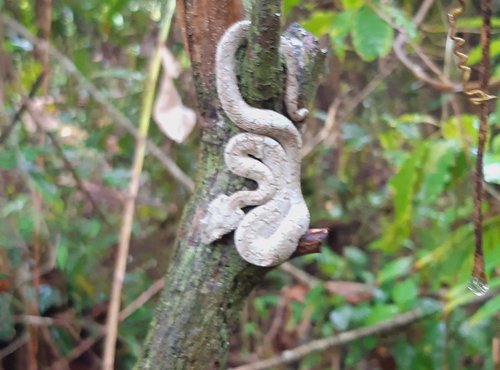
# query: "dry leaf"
353 293
173 118
45 110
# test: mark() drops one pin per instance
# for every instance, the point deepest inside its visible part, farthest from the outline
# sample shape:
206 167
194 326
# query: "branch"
106 105
34 88
141 299
310 242
128 213
349 336
337 340
14 346
263 73
55 143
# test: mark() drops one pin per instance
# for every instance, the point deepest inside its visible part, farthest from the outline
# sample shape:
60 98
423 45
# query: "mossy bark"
205 285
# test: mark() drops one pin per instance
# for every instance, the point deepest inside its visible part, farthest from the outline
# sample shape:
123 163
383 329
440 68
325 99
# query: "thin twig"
114 113
141 299
333 112
416 69
478 274
334 341
89 342
34 88
128 215
325 132
64 365
300 275
77 351
55 143
349 336
13 346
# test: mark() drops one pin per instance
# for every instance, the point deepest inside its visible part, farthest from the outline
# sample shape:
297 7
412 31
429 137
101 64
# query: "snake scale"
268 152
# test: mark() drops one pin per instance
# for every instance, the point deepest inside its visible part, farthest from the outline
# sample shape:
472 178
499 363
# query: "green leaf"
491 168
488 310
319 23
90 228
400 19
7 330
352 4
381 313
7 159
460 128
405 293
356 256
48 297
476 52
340 28
117 177
395 269
371 36
436 171
403 185
341 317
289 5
62 254
329 263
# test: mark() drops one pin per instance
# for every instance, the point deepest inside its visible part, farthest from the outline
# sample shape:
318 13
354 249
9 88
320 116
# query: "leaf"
173 118
8 159
318 23
48 297
289 5
7 330
352 292
436 171
340 28
395 269
405 293
117 177
381 313
352 4
400 19
476 52
372 37
355 255
460 128
491 168
403 185
62 254
341 317
488 310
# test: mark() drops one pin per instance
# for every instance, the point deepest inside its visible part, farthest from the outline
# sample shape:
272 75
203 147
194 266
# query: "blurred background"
388 159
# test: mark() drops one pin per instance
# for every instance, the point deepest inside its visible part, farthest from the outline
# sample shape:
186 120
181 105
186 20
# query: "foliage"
394 188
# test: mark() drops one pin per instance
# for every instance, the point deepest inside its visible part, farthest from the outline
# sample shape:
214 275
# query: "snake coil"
268 152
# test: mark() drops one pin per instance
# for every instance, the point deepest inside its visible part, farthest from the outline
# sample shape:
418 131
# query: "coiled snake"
268 152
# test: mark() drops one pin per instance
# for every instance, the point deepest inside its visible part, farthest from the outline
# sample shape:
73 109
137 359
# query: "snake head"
221 218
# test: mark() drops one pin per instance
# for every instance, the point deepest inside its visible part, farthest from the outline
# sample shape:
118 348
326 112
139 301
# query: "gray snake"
268 152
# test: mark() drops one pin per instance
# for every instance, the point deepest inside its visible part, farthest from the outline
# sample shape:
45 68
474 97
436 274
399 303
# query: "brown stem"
484 73
34 88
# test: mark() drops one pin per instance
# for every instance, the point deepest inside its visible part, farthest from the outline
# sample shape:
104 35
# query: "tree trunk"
206 285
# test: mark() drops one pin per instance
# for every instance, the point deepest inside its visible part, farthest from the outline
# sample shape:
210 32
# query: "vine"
478 283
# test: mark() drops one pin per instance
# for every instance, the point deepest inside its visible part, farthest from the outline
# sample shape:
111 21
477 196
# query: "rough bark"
205 285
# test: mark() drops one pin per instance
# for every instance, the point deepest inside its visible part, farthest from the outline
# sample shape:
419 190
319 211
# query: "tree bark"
205 285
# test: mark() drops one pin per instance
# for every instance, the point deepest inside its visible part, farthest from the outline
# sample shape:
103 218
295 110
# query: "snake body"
268 152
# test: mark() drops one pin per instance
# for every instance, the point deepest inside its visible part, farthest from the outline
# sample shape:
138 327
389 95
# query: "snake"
267 152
